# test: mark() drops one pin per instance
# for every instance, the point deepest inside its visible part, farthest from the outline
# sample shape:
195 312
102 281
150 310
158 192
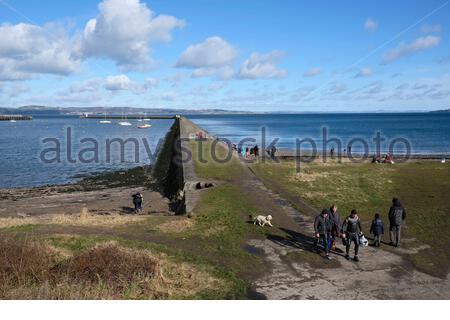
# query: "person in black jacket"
322 229
335 217
138 198
351 229
397 214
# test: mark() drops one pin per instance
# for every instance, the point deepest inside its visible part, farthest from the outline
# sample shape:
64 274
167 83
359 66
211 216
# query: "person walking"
138 198
377 229
351 229
397 214
335 217
322 229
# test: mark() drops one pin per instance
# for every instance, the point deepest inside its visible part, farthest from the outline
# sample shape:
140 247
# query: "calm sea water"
21 143
427 133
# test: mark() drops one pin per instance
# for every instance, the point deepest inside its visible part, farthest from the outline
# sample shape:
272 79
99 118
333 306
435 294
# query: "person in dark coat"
377 229
322 229
397 214
351 229
138 198
335 217
256 150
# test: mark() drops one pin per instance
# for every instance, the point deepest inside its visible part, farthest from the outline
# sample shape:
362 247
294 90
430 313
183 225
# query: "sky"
244 55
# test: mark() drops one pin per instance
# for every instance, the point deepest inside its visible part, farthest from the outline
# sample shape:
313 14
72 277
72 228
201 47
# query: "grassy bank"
421 186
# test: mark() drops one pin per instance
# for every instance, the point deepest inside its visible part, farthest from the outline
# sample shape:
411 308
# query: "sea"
64 149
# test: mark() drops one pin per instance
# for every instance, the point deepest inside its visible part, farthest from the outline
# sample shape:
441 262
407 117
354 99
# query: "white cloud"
262 66
212 57
405 49
27 50
312 72
124 30
214 52
119 83
364 72
123 83
427 29
370 25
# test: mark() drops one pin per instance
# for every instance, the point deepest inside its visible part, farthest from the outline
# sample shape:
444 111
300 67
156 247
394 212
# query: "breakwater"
15 117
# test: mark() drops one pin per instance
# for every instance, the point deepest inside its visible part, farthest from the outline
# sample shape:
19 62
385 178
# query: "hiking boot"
356 258
396 245
327 257
347 257
391 243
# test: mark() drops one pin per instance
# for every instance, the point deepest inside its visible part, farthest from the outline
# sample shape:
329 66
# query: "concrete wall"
174 176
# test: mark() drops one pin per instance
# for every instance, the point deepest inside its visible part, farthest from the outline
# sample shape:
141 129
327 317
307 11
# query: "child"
377 229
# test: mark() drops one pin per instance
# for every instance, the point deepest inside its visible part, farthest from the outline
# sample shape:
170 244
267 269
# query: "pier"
129 117
16 117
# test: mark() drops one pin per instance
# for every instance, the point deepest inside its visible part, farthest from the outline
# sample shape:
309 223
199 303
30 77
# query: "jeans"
377 240
394 232
352 238
324 238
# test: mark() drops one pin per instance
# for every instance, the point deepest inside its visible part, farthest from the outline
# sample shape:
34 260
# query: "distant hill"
45 110
440 111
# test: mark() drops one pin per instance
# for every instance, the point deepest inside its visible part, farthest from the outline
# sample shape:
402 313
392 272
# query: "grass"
421 186
207 168
219 224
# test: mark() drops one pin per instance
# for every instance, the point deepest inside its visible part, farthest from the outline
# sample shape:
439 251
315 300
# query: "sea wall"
168 169
174 176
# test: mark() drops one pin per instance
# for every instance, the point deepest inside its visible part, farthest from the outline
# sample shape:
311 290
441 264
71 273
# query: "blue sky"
235 55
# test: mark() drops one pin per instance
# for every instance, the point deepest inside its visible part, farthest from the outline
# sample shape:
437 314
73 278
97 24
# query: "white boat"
104 121
144 126
12 121
124 123
146 119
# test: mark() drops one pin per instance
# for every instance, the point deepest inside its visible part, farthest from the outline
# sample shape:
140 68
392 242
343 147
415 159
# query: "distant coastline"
78 111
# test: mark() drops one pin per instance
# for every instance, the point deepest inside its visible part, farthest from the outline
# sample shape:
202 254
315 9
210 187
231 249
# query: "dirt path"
380 274
106 201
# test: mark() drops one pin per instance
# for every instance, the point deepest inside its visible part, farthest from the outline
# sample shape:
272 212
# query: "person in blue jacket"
377 229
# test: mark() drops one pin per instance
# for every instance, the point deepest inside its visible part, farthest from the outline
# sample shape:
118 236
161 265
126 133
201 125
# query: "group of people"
388 158
250 153
247 153
328 227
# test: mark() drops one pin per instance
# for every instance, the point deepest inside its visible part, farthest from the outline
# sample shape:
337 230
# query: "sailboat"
124 123
145 125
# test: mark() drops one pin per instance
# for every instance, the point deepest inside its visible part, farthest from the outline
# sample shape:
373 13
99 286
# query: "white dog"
263 220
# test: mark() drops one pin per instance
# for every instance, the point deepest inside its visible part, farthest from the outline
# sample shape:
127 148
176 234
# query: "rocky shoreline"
132 178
